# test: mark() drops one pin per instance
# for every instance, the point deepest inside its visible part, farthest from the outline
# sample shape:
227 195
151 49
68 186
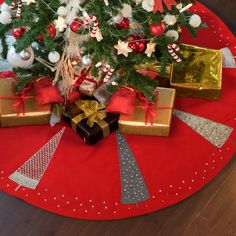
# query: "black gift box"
91 135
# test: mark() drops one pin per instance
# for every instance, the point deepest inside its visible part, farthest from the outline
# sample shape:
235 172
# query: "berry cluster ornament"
157 29
137 43
51 29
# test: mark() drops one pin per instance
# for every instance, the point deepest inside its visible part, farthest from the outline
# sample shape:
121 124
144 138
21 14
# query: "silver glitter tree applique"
133 186
228 58
32 171
216 133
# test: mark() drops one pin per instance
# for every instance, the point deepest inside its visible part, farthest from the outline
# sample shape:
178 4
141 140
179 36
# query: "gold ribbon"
94 112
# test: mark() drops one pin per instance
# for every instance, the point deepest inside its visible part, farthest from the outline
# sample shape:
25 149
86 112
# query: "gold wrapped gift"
150 119
200 76
163 80
9 115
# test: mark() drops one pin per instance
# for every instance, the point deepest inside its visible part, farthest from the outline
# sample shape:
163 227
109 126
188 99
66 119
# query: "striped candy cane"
95 24
172 49
107 69
19 8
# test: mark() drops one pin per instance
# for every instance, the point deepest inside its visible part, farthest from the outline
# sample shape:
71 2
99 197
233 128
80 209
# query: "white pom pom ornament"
15 59
172 34
170 19
195 21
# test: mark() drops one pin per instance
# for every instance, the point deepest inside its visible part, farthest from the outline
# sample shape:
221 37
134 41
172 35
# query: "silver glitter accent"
228 58
31 172
216 133
133 186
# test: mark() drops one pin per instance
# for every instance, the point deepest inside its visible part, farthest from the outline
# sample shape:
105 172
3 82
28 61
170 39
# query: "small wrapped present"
89 119
153 70
86 84
201 75
20 109
150 118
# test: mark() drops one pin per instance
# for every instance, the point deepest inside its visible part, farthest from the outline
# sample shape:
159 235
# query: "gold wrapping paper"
155 67
34 115
135 123
201 76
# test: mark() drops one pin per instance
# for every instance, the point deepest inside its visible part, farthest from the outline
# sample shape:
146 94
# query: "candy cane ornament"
95 24
107 69
19 8
172 49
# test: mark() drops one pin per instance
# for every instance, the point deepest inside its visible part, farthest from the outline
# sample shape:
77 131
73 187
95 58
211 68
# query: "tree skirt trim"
84 182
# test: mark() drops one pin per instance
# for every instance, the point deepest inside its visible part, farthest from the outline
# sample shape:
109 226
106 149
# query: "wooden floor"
211 211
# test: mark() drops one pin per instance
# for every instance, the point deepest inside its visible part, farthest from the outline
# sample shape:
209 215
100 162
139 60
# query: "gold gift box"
135 123
34 115
155 66
201 75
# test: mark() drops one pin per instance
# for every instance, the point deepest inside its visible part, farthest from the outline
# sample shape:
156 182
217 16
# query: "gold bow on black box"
94 112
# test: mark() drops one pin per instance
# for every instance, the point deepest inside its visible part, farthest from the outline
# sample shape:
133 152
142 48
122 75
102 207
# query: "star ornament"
28 2
60 23
123 48
151 47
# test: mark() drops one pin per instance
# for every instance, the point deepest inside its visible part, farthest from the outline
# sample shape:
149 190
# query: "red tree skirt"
84 182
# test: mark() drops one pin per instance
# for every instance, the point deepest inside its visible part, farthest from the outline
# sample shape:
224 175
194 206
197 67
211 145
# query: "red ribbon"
150 109
158 5
83 75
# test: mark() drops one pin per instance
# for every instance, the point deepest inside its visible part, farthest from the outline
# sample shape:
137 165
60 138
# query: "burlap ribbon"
94 112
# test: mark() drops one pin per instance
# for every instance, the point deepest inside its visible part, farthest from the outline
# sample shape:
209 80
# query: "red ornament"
52 30
124 24
76 25
18 32
137 43
157 29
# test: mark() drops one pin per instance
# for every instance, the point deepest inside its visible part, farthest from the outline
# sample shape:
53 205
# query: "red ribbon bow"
158 5
150 109
83 75
19 103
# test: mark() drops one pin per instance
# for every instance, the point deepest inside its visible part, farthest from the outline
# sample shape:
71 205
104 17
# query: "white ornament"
86 60
5 7
15 60
117 19
169 19
5 18
28 2
54 57
62 11
172 34
148 5
195 21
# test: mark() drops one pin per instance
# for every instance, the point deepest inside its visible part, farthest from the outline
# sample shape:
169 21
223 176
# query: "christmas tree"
99 38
